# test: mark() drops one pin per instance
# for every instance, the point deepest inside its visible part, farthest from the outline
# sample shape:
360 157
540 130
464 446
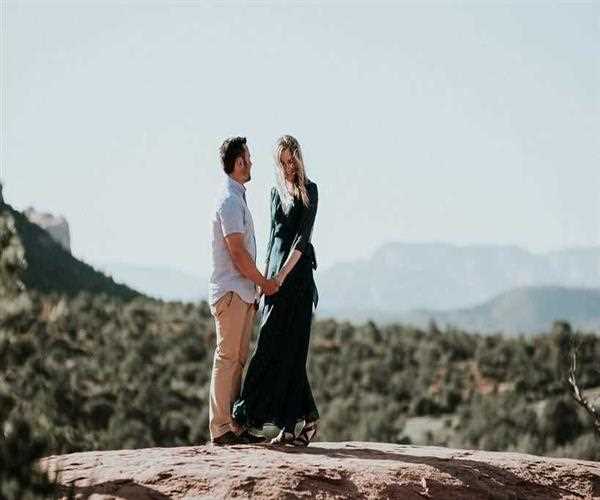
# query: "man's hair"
231 149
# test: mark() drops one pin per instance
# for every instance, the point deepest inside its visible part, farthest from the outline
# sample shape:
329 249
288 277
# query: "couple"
276 388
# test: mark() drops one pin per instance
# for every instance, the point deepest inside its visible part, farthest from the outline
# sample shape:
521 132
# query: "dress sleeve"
272 233
307 220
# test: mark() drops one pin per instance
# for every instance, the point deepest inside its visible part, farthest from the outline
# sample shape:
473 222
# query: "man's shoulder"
228 199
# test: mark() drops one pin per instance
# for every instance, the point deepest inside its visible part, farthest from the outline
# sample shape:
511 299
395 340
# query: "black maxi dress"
276 388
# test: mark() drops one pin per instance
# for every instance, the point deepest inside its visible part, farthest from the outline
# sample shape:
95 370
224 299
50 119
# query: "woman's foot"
283 438
307 434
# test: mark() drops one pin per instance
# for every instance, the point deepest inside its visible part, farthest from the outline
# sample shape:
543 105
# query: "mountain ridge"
402 277
52 268
521 310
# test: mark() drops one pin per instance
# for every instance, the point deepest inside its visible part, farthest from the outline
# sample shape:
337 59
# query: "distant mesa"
56 226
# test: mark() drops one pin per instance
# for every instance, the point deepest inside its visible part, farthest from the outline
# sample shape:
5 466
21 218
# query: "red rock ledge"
324 470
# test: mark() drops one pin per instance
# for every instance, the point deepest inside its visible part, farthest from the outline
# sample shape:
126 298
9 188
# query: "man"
232 291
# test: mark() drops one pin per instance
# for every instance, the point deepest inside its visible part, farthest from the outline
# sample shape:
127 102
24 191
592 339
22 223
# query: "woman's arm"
270 243
271 235
289 264
302 240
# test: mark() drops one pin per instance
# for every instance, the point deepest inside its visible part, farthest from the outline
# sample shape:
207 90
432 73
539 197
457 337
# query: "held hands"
269 287
272 286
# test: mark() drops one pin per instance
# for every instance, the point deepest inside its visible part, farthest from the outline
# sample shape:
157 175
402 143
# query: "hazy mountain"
527 310
162 283
400 277
521 310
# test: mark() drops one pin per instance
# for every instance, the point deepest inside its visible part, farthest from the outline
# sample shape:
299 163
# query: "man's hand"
270 287
245 264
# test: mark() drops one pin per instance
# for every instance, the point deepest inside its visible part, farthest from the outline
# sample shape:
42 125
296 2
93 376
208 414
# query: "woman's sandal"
283 438
307 434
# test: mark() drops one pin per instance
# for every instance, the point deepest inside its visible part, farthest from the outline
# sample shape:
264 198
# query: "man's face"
245 165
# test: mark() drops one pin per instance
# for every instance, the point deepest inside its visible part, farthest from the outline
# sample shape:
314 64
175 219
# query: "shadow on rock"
122 488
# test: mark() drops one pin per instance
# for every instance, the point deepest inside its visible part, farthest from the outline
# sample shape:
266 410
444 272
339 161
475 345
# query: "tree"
20 448
12 257
578 396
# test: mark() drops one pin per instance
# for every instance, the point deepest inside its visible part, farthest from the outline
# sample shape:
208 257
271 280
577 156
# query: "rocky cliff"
324 470
56 226
52 268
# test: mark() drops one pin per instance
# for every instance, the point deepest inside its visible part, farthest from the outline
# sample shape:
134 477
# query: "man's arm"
246 266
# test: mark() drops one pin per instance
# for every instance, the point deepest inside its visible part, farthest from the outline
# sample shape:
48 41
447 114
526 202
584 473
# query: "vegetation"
95 372
20 449
491 392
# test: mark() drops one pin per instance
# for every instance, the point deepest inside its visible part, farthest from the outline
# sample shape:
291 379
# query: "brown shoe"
227 439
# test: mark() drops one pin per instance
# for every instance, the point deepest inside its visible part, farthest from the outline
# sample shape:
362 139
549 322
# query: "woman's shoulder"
311 186
312 191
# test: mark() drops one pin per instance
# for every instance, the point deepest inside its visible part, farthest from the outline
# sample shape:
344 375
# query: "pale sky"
464 122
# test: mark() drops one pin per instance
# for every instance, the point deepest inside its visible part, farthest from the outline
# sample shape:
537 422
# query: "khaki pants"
233 320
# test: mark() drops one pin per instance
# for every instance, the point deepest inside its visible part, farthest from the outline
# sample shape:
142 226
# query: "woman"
276 387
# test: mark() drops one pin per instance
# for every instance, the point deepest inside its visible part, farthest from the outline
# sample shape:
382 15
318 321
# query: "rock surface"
324 470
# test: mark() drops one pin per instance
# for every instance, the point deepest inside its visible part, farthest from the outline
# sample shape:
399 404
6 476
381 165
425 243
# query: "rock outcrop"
52 268
56 226
324 470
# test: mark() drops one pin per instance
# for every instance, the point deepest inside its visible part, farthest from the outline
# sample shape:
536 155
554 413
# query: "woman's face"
290 169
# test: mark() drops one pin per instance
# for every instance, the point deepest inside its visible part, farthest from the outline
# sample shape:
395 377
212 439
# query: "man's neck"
241 182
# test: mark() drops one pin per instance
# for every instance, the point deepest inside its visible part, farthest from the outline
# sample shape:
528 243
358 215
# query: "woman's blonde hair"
289 143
